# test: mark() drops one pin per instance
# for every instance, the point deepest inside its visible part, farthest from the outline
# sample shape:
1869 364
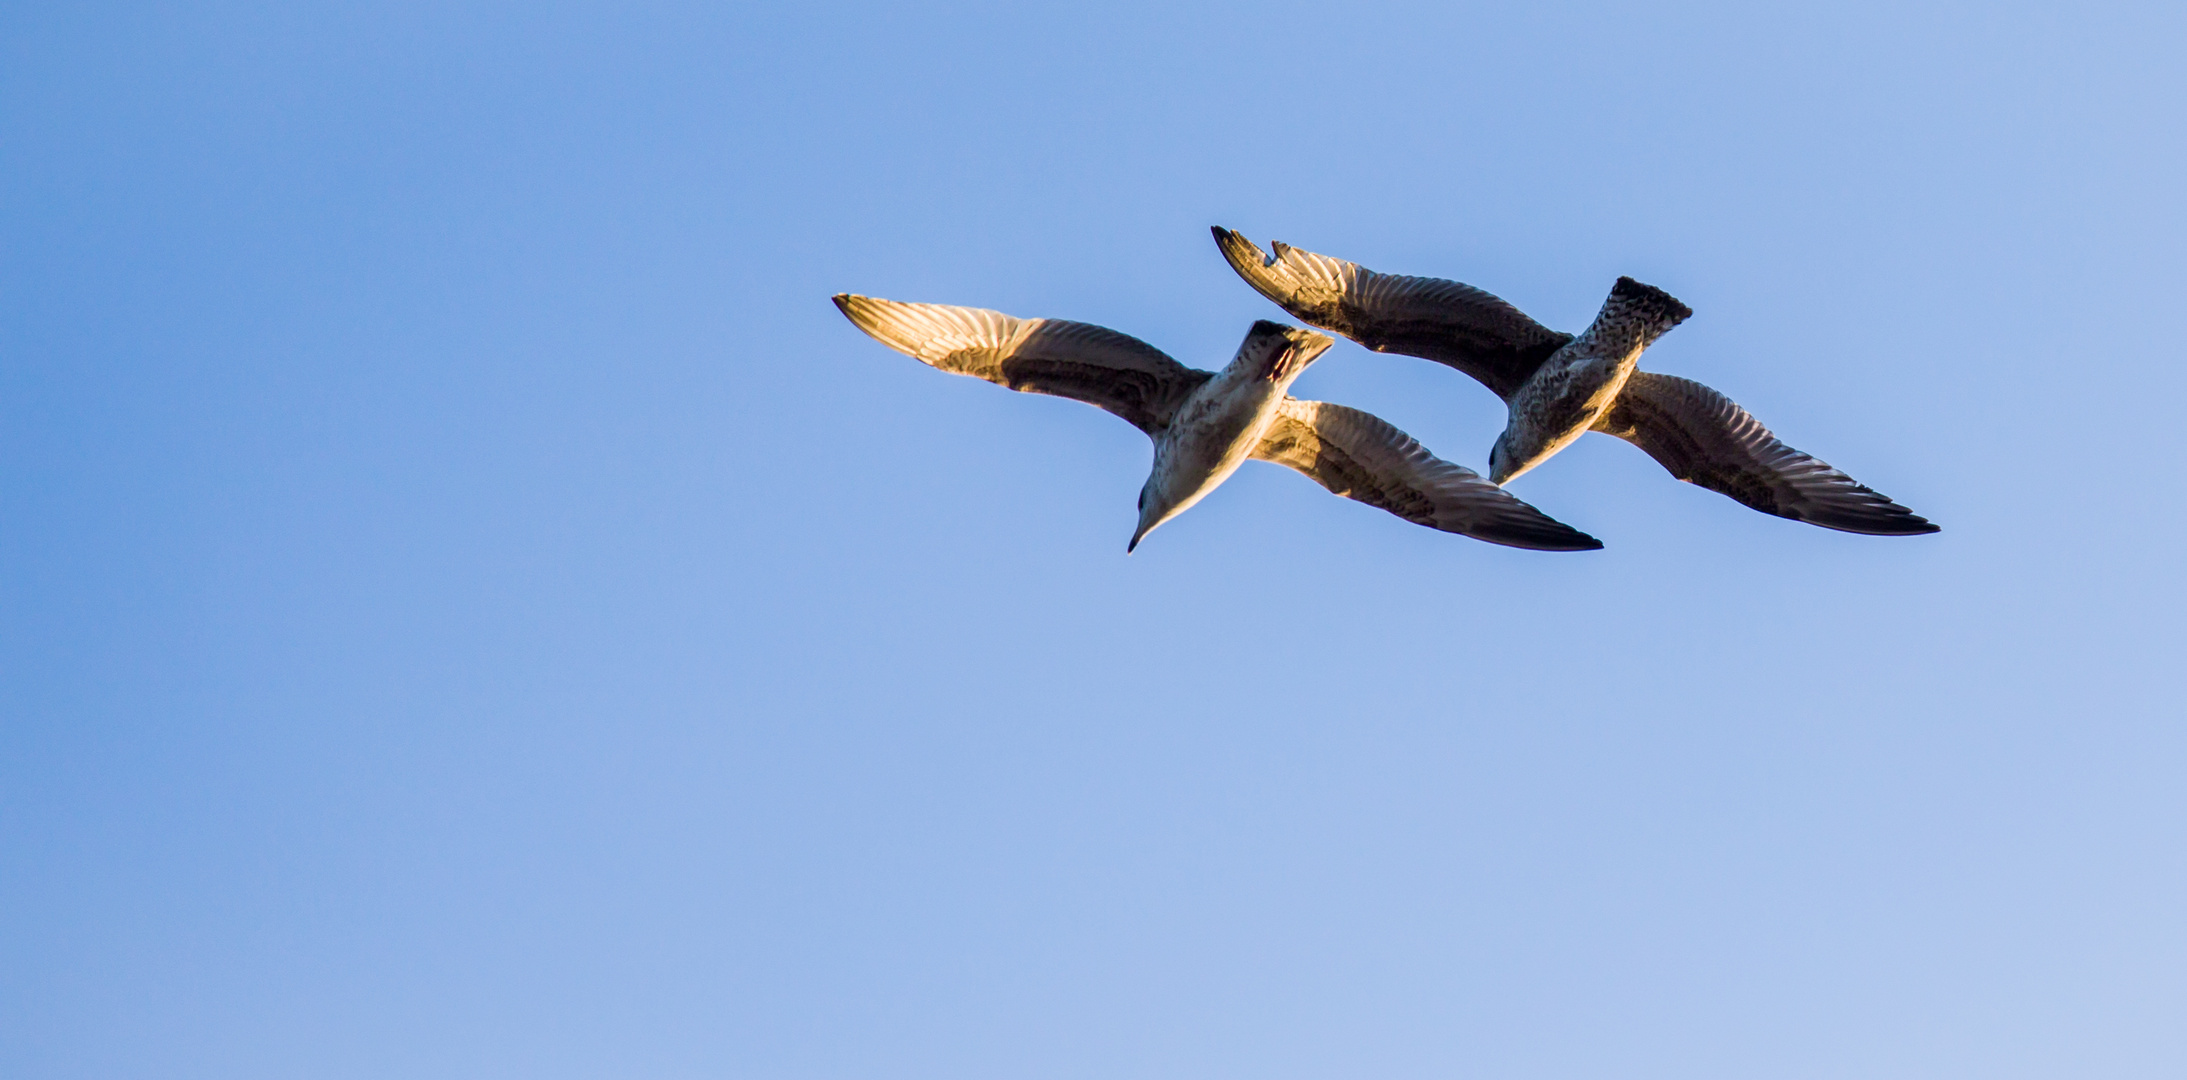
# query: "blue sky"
470 607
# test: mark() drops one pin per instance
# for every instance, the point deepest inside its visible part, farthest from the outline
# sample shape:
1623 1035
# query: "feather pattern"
1705 438
1080 361
1445 321
1364 458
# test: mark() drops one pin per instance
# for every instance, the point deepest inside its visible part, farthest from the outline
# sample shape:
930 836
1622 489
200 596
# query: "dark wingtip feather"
1905 523
1579 541
1238 251
1548 534
1870 514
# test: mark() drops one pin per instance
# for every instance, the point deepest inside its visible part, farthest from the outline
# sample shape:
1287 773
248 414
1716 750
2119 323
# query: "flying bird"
1206 424
1558 387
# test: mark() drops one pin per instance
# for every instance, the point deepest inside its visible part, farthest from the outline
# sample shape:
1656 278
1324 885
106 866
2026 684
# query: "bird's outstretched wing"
1088 363
1705 438
1439 320
1360 456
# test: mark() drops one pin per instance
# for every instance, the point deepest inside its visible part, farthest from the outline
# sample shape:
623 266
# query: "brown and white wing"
1705 438
1360 456
1443 321
1088 363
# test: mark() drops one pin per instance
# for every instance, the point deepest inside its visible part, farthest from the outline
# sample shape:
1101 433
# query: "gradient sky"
471 607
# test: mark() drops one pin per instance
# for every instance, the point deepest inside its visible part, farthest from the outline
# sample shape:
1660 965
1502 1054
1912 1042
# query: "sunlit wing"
1362 457
1088 363
1439 320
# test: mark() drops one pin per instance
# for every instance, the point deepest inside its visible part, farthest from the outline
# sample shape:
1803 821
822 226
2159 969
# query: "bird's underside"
1349 452
1699 435
1444 321
1706 439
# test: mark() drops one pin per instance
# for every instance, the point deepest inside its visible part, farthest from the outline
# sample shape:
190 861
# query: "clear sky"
471 607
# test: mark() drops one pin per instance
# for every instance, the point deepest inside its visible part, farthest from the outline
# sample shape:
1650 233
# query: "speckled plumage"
1206 424
1557 387
1579 382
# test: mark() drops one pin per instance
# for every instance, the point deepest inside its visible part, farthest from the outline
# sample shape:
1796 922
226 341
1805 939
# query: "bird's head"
1155 507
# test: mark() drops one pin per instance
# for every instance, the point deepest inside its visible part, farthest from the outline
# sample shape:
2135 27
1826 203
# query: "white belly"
1212 436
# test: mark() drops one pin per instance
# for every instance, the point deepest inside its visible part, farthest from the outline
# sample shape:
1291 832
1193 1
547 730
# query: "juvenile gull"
1558 387
1206 424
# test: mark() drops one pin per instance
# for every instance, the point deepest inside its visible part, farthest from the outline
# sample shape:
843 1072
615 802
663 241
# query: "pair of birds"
1556 386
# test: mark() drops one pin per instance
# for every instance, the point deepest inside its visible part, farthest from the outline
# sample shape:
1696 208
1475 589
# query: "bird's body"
1580 383
1557 387
1205 425
1219 425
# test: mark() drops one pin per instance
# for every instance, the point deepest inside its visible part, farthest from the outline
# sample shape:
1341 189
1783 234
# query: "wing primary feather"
1080 361
1445 321
1362 457
1704 438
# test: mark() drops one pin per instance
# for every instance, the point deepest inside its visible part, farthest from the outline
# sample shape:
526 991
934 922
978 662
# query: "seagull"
1558 387
1206 424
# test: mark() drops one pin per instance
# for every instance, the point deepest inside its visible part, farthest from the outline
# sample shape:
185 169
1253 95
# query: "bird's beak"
1147 522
